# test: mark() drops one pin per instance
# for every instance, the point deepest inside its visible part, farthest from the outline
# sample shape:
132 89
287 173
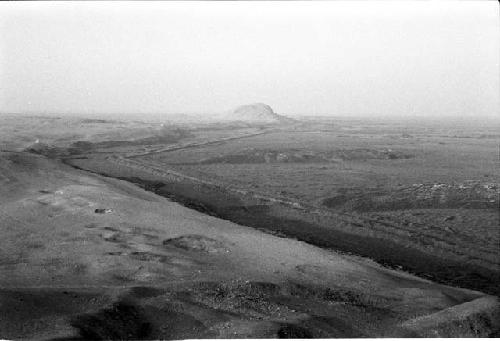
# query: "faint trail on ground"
197 144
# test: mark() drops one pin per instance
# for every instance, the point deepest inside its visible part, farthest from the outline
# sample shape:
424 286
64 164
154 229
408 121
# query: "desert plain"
258 226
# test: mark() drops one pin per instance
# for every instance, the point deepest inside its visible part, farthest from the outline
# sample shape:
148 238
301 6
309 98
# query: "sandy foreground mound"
148 268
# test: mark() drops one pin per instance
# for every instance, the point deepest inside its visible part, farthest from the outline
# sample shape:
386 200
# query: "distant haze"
395 59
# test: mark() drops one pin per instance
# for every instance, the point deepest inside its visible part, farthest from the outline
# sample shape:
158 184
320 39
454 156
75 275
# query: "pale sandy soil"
59 260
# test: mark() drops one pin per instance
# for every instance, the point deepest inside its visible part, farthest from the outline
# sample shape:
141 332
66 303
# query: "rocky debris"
253 299
278 301
472 189
103 210
466 195
195 242
305 156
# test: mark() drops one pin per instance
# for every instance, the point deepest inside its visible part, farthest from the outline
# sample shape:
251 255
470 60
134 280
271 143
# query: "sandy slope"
165 271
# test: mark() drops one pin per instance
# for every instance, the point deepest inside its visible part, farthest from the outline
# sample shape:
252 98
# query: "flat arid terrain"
261 226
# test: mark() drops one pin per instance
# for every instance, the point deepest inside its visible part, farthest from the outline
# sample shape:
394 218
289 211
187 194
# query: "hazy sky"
339 58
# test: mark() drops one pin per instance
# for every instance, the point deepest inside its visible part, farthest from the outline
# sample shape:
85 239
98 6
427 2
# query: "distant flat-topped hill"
257 112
